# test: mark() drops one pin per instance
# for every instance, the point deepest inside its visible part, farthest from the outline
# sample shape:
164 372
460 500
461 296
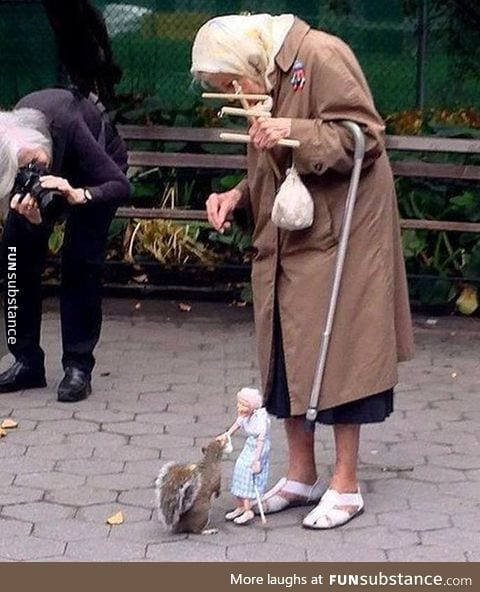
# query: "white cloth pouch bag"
293 205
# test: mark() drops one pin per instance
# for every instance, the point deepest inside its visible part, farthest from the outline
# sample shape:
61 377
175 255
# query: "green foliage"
55 241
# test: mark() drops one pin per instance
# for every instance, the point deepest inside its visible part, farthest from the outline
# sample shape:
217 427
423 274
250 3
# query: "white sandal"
234 513
273 502
329 512
246 517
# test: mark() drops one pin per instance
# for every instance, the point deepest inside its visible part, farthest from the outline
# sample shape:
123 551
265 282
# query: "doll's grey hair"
20 128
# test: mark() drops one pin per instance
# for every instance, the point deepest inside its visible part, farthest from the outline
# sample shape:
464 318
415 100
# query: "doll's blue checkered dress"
243 479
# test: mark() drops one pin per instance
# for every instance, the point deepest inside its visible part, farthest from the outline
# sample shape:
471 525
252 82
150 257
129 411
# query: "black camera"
50 202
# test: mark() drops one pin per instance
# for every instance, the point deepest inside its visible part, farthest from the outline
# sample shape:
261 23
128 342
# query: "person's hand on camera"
28 207
220 206
73 196
266 132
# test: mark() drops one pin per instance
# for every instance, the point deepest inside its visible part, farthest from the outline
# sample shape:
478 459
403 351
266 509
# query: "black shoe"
20 376
75 385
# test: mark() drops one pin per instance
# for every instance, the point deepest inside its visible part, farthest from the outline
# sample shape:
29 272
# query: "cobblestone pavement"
165 382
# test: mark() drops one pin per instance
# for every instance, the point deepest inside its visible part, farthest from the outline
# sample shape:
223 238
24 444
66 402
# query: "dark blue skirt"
372 409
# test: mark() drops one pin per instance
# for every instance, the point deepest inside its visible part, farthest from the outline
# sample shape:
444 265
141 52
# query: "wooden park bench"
408 167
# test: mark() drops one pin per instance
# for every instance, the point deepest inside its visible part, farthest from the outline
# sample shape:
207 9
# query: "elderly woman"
69 137
314 81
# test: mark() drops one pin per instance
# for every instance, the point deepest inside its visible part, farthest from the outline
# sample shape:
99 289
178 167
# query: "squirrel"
184 492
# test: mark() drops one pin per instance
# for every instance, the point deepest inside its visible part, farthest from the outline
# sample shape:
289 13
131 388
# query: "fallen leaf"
115 519
8 424
138 306
3 433
184 307
454 375
104 373
467 302
141 279
241 304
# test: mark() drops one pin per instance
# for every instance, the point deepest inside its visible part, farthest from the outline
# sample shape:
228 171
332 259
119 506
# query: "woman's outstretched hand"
220 206
266 132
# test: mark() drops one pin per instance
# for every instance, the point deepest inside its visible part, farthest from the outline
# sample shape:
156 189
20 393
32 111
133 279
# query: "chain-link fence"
151 40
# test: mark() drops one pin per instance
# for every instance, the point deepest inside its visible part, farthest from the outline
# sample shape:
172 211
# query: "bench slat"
439 171
162 213
169 134
440 225
186 160
201 215
433 144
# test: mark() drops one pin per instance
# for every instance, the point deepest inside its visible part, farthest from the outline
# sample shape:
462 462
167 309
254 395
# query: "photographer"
83 162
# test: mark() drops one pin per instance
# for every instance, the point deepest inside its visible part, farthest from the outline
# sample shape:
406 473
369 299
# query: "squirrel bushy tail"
176 489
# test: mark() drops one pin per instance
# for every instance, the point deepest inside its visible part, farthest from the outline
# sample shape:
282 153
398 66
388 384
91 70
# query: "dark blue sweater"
75 124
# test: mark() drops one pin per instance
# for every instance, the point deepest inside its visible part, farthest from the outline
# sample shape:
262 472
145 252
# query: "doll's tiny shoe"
335 509
244 518
234 514
305 495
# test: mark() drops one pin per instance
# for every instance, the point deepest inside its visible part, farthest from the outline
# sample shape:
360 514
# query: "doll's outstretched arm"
231 430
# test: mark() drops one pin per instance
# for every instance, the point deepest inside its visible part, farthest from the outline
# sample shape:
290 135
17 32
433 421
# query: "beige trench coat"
372 329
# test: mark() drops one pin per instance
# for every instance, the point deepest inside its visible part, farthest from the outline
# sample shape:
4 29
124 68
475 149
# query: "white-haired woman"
314 81
84 161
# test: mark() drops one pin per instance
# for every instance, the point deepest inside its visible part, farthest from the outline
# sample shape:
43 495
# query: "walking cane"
359 154
259 502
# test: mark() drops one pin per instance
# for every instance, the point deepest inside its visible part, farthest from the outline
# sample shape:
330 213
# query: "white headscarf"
243 45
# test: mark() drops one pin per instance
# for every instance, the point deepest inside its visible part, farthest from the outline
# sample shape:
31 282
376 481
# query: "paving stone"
343 552
381 537
162 441
50 480
134 406
265 552
457 461
44 413
132 428
104 416
70 530
127 453
81 496
189 550
414 520
100 512
35 399
166 418
35 438
121 481
144 467
8 450
69 426
27 548
209 354
144 497
463 520
89 466
453 538
38 512
436 474
405 488
14 528
101 550
434 553
23 465
97 440
467 491
60 451
145 532
18 495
